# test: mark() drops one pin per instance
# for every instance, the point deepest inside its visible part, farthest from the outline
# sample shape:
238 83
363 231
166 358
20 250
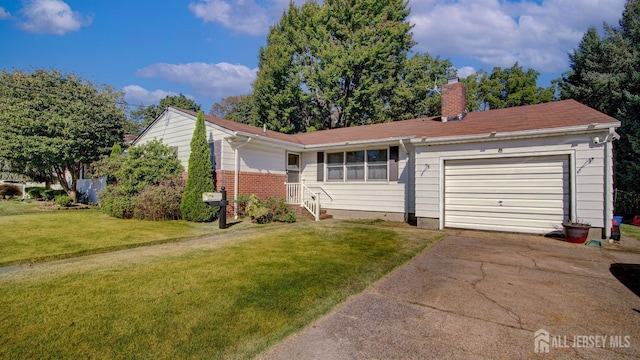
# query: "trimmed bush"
159 202
272 209
8 191
116 203
36 192
241 204
51 195
64 201
200 178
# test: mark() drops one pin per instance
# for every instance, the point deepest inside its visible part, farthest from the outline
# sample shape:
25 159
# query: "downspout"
608 174
407 195
236 176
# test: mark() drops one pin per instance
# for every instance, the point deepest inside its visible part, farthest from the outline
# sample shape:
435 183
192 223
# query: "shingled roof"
553 115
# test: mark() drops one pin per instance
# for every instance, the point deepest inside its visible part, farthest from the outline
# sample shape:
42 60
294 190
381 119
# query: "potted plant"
576 231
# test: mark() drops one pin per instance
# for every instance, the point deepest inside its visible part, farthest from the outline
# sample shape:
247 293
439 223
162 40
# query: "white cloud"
242 16
137 95
4 14
499 33
465 71
211 80
51 17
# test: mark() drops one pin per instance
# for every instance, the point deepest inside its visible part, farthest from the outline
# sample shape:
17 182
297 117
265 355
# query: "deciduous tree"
417 93
237 108
513 87
52 123
146 115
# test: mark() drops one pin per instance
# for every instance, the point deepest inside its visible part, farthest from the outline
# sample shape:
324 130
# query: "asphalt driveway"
487 295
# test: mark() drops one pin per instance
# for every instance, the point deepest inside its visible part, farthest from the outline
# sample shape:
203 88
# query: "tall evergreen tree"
200 177
332 65
605 74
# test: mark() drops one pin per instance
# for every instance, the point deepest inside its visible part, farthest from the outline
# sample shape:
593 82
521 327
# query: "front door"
293 168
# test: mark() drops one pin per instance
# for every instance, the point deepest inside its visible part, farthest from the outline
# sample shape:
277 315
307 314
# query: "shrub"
159 202
258 211
145 164
51 195
200 178
281 210
115 203
8 191
64 201
36 192
241 204
272 209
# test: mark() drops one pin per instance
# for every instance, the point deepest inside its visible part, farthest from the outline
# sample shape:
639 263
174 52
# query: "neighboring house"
522 169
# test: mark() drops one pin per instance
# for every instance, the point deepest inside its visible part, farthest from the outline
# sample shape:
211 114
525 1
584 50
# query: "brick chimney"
454 100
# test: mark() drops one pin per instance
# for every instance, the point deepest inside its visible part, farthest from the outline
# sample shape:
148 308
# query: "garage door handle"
500 202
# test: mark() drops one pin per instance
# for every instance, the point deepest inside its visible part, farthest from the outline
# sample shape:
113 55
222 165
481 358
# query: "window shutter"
394 157
320 164
217 152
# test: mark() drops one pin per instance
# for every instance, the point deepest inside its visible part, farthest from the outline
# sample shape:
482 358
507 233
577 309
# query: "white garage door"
520 194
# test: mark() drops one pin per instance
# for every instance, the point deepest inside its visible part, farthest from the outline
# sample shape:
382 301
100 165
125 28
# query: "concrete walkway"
478 295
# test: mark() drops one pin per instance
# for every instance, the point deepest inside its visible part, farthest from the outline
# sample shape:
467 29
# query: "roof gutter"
285 144
357 142
493 136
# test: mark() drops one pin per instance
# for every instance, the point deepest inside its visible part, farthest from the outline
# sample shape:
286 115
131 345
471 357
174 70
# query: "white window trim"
365 164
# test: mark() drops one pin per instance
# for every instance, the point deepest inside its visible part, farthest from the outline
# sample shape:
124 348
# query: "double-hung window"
360 165
335 166
355 165
377 165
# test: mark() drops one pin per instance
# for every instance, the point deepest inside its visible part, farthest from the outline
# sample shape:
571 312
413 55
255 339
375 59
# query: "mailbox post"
218 199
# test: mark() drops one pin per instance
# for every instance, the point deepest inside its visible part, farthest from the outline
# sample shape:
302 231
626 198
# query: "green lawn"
233 301
28 234
631 230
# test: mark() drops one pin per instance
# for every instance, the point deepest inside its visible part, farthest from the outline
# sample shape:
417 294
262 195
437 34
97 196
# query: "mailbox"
218 199
211 197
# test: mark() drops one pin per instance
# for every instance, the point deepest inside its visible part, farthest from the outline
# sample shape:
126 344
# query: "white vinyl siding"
176 129
375 195
587 170
262 158
520 194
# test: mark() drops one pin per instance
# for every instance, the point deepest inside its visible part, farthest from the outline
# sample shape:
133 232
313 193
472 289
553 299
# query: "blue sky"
208 49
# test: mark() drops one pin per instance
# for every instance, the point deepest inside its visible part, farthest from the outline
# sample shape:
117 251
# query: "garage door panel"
522 171
507 205
539 195
494 191
482 220
520 227
528 194
502 212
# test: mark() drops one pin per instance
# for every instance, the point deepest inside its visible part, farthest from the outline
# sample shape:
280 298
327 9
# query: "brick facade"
263 185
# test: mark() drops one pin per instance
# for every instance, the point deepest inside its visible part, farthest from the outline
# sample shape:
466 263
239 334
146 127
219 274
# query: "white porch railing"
300 194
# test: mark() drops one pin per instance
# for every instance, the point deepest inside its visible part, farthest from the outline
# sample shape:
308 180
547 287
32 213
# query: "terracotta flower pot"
576 233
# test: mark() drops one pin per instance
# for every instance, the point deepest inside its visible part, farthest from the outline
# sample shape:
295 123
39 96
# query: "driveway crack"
509 311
